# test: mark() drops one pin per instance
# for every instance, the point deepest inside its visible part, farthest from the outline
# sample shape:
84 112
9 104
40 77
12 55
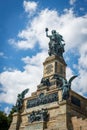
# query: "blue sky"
24 46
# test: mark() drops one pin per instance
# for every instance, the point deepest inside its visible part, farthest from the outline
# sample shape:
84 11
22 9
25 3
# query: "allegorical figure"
66 86
19 101
56 47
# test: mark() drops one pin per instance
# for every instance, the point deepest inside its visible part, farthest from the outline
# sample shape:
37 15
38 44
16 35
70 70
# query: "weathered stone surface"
35 126
54 64
15 122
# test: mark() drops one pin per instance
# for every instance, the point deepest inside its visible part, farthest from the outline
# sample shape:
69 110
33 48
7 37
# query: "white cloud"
22 44
72 2
82 63
69 73
80 83
7 110
15 81
30 6
83 56
82 9
2 55
35 60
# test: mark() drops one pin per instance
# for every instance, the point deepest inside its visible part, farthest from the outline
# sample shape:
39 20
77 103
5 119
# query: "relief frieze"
42 100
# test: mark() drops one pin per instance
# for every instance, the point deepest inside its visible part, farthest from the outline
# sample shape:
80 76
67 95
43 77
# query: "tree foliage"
5 120
4 124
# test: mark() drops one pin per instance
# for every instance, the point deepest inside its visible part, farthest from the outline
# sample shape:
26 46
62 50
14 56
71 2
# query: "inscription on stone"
36 126
42 100
49 69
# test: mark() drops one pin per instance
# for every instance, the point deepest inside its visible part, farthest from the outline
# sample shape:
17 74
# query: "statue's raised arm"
46 30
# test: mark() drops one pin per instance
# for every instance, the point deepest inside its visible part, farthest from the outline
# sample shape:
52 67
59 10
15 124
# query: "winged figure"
66 87
20 98
24 92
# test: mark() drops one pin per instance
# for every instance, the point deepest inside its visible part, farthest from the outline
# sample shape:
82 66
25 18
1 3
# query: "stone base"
35 126
15 122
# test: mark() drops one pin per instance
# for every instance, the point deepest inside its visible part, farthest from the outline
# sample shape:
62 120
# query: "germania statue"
56 47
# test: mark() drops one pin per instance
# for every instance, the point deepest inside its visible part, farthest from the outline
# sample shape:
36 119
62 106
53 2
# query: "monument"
54 106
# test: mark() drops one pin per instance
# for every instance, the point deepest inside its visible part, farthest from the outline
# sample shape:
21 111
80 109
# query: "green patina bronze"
19 102
40 115
66 86
56 44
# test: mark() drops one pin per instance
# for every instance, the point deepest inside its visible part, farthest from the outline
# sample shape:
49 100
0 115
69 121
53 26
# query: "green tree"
4 125
10 115
5 120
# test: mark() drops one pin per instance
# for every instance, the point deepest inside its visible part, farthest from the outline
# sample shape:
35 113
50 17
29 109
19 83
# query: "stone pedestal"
40 125
15 122
54 65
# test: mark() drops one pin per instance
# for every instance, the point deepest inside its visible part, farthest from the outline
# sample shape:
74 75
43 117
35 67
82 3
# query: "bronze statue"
66 86
40 115
55 45
19 101
45 82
